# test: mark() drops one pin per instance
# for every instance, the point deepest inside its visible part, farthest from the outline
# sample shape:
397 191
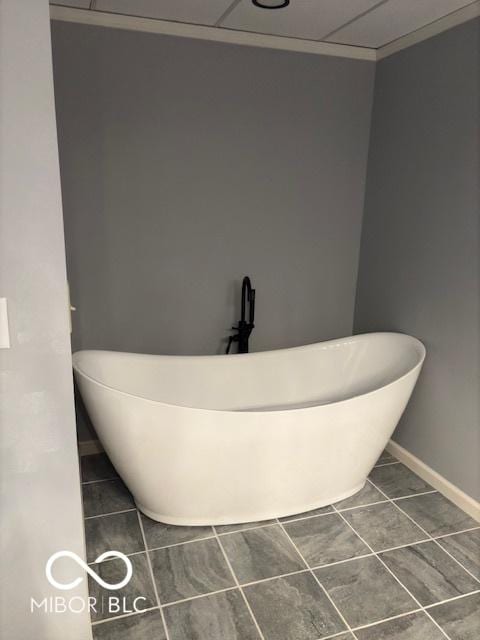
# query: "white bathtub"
226 439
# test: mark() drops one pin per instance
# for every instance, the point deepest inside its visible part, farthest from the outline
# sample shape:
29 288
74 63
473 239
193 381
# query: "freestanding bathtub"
227 439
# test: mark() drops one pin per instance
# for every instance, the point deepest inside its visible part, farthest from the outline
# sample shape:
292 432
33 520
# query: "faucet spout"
245 327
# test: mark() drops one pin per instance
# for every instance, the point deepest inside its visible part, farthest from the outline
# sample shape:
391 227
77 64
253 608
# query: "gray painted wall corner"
419 269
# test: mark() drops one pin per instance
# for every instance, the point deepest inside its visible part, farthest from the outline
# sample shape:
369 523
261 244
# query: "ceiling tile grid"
394 19
205 12
361 23
309 19
76 4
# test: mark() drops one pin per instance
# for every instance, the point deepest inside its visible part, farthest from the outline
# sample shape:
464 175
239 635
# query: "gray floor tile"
436 514
190 569
429 573
365 591
158 534
383 526
106 497
293 607
465 547
396 481
385 457
415 626
96 467
221 616
325 539
367 495
307 514
120 532
231 528
142 626
261 553
459 618
113 571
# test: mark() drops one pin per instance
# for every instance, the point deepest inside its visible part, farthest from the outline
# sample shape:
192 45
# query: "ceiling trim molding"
465 14
216 34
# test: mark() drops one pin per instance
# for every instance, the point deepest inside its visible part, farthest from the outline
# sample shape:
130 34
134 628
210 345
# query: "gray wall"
40 507
419 270
187 164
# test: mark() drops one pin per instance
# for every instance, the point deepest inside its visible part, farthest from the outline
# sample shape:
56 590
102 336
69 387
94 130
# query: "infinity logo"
95 576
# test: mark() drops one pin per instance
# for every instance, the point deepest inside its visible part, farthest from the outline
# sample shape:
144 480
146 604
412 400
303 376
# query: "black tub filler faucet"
244 328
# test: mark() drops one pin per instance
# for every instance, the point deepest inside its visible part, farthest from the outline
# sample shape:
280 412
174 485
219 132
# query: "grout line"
124 615
403 546
110 513
333 564
318 581
463 595
227 533
239 586
413 495
430 537
179 544
360 506
152 577
335 635
165 605
386 464
392 574
282 575
129 555
247 604
447 535
283 519
400 615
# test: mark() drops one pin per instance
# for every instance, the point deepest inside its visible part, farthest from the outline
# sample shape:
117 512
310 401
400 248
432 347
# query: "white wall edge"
444 486
215 34
465 14
88 447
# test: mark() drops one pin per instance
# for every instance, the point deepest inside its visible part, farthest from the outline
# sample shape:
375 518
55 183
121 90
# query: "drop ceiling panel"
310 19
78 4
394 19
194 11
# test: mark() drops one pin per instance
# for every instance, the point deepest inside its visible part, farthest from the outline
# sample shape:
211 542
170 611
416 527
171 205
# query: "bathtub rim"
416 367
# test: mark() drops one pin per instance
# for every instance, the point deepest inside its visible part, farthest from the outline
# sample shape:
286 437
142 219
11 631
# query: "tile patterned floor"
397 561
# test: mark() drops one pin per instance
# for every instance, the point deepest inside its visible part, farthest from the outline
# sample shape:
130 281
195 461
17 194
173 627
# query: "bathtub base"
244 519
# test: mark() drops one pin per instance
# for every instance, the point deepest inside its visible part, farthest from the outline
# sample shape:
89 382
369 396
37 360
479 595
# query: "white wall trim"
428 31
216 34
88 447
444 486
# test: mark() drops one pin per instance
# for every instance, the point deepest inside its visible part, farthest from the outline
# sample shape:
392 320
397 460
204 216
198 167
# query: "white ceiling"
363 23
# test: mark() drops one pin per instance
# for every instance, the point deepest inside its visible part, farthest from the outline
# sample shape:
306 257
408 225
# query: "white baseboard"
87 447
444 486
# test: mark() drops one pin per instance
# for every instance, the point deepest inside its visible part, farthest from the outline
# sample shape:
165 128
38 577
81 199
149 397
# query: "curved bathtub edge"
416 368
185 522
